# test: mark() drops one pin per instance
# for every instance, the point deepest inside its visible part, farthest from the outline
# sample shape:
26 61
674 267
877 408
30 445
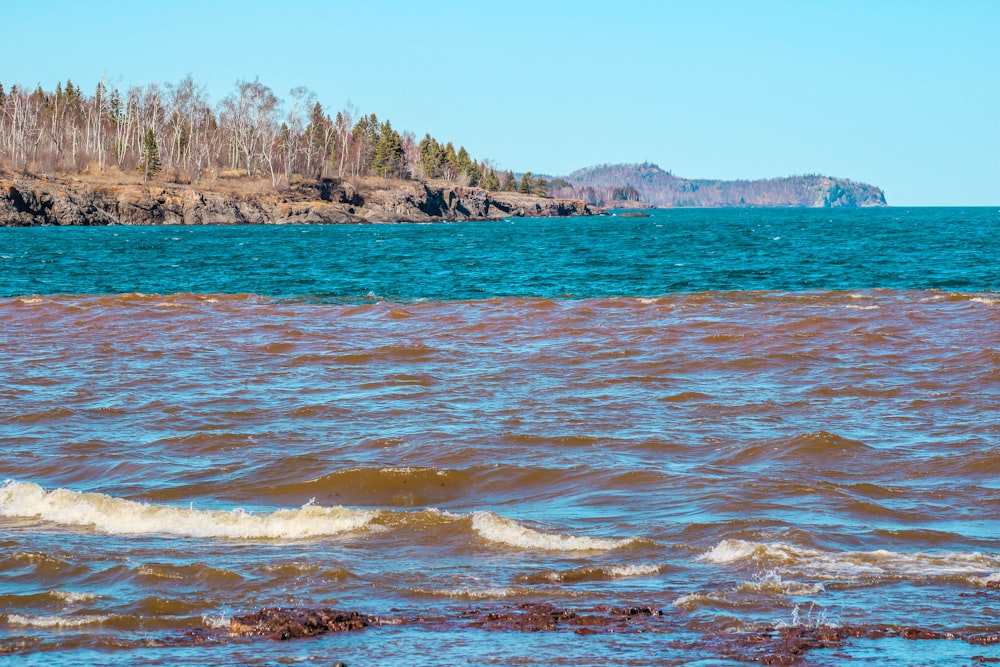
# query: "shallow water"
481 416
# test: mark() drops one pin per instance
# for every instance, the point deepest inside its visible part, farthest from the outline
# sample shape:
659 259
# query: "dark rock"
35 201
287 623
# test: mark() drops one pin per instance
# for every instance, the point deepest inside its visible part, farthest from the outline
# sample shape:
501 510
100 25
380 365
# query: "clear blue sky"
902 94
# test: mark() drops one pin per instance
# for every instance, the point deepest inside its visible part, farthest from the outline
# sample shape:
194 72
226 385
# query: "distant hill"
646 185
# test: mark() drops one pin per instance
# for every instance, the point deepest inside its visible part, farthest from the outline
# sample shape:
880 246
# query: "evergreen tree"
527 183
431 157
540 187
149 161
449 167
491 182
388 159
509 181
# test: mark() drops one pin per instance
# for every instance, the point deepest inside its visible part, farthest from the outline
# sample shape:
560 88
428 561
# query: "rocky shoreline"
776 645
27 201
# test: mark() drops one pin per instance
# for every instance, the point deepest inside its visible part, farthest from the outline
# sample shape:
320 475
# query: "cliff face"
28 201
639 185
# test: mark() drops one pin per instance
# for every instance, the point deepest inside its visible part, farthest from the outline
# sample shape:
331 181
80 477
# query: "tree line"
173 131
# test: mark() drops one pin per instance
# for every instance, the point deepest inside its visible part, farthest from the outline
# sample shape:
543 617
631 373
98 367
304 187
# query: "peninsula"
161 154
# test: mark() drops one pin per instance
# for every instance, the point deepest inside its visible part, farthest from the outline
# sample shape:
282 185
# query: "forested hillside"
172 133
646 185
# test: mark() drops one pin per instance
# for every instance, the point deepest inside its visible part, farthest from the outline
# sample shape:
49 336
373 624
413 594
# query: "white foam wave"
215 622
772 582
505 531
73 597
991 580
787 558
57 621
692 601
748 592
117 516
862 307
602 571
985 300
472 593
626 571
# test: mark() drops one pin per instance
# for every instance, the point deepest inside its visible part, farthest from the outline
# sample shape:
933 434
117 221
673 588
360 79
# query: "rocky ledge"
785 645
39 201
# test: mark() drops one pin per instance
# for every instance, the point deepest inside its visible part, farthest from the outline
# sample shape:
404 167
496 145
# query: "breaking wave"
117 516
855 565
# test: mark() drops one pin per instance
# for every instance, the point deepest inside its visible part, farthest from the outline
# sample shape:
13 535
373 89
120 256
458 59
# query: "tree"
318 140
172 128
364 142
388 159
248 117
540 187
508 182
431 157
527 183
491 182
149 161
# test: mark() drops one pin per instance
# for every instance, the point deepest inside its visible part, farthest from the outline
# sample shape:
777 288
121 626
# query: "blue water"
747 419
671 251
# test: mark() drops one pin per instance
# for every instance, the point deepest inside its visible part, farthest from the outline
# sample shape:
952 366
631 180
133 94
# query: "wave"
495 528
592 573
370 304
58 621
800 449
784 558
110 515
473 593
117 516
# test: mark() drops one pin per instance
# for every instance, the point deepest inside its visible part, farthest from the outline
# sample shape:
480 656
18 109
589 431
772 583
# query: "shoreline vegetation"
162 154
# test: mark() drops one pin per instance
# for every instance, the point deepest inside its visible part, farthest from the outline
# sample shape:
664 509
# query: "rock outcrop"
29 201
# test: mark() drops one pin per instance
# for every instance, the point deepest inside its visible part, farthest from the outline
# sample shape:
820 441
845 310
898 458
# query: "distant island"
648 186
161 154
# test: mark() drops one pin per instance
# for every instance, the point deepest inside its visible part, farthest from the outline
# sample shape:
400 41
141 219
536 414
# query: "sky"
904 95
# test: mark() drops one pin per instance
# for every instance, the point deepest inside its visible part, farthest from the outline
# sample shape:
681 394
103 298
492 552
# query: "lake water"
702 437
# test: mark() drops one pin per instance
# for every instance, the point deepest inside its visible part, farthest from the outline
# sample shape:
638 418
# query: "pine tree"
527 182
431 157
149 161
509 181
540 187
491 182
388 159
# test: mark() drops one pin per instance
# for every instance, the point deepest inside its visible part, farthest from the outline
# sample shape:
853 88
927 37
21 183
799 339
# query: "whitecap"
57 621
854 565
73 597
626 571
215 622
472 593
501 530
106 514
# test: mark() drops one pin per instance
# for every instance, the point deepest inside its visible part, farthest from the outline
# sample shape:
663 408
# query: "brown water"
742 461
